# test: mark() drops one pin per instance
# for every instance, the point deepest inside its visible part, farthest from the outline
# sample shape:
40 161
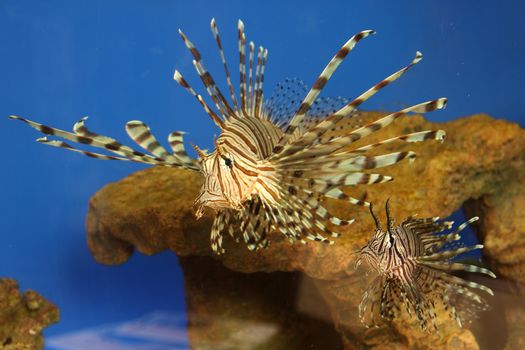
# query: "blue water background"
114 60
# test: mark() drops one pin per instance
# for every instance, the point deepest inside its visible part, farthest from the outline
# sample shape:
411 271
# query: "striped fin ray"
286 224
242 67
212 88
280 224
316 134
216 232
449 254
301 221
325 181
387 296
215 31
257 238
321 81
325 216
231 225
336 160
254 226
420 136
424 107
259 97
435 243
255 77
370 305
176 142
256 80
62 144
87 137
455 234
311 201
413 221
445 266
307 229
96 141
336 193
182 82
81 129
342 141
458 281
251 220
251 49
374 89
141 134
427 231
304 198
358 163
427 227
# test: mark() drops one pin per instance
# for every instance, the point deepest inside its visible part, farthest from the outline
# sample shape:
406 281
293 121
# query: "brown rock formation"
253 311
482 164
23 317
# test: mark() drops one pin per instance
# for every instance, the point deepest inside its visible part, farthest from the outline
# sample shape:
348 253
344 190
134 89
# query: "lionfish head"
380 242
230 175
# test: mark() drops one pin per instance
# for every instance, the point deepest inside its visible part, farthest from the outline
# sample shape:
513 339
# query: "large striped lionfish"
274 161
414 262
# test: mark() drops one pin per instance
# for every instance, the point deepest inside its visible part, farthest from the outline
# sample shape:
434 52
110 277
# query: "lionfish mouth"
201 204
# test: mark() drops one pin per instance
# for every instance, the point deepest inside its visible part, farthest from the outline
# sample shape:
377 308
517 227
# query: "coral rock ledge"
294 296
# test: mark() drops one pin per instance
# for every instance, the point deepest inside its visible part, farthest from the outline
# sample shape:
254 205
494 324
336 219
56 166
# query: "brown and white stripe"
83 136
319 84
215 31
413 264
207 80
182 82
267 174
316 133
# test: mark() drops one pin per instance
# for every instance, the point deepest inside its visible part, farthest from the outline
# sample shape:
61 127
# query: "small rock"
23 317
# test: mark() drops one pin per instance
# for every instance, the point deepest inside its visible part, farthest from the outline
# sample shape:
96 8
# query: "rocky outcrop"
23 317
481 165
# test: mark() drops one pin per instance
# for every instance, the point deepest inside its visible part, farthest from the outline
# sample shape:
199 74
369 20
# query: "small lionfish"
414 262
274 161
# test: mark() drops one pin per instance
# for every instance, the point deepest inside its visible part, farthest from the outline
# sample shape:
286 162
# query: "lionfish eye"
228 162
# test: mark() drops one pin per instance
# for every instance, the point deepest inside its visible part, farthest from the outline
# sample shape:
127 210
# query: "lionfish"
414 262
274 161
